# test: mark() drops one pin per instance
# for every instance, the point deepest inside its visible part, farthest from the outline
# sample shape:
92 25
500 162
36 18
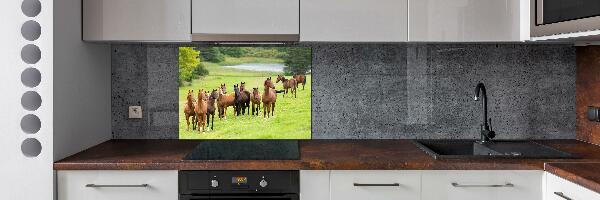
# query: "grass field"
292 118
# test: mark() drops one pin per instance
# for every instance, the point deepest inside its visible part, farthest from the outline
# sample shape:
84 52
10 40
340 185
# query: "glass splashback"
244 92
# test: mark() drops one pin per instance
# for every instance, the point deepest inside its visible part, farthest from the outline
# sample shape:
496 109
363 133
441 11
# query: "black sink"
470 149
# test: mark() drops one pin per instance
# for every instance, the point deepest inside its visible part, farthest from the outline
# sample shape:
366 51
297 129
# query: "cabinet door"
117 185
560 189
136 20
468 20
314 184
214 18
353 20
375 185
478 185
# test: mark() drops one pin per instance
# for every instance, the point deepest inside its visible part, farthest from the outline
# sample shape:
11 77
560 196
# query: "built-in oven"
552 17
238 185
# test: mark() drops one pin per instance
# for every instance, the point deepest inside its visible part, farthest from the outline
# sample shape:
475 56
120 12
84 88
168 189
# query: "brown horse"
245 98
210 110
269 98
255 100
224 88
301 79
201 110
224 101
268 83
287 84
242 86
189 110
237 101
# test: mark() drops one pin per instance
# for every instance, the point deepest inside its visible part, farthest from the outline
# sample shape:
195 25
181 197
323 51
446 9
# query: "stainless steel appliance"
552 17
235 185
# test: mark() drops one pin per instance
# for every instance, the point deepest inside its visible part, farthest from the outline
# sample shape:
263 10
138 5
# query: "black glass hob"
245 150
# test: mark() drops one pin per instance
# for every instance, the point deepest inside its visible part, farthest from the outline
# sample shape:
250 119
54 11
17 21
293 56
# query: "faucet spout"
486 133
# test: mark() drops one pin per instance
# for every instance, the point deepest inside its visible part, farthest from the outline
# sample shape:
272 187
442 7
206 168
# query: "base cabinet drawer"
482 185
117 185
560 189
375 185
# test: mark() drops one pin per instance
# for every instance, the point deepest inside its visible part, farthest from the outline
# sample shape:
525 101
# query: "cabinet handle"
562 195
376 184
498 185
115 186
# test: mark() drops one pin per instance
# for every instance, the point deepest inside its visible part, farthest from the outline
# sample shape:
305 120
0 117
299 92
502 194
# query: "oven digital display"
239 180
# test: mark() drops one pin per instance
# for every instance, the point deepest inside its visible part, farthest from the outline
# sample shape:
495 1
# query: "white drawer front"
343 188
482 185
162 185
556 186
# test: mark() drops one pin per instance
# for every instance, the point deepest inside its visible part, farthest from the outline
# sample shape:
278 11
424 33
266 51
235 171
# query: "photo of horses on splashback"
245 92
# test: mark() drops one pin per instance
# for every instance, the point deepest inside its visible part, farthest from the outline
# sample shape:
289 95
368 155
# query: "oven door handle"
241 196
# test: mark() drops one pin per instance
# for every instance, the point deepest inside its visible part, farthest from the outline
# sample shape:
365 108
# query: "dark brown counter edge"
315 155
584 174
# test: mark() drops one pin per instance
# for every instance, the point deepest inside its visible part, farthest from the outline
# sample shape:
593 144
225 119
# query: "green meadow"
292 118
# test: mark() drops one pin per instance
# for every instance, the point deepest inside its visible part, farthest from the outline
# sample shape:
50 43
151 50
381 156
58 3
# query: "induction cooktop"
245 150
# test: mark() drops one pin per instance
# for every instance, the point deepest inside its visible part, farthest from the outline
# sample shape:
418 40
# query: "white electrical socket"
135 112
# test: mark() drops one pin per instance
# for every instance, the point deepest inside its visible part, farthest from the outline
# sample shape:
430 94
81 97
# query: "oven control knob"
214 183
263 183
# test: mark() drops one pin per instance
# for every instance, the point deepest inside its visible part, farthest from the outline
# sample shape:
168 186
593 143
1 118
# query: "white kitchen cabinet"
560 189
136 20
375 185
478 185
245 20
117 185
468 20
353 20
314 184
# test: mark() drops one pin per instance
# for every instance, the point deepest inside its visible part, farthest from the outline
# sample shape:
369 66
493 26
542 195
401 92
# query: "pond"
268 67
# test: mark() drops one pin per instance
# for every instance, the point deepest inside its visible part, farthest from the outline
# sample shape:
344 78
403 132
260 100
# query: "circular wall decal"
31 30
31 147
31 54
31 8
30 124
31 77
31 100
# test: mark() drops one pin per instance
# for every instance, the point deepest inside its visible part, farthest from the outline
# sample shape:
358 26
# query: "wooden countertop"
331 155
314 155
584 174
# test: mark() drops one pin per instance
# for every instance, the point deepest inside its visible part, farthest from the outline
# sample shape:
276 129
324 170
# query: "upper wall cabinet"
468 20
245 20
136 20
354 20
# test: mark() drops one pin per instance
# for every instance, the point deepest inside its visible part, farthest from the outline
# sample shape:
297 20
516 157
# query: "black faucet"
487 134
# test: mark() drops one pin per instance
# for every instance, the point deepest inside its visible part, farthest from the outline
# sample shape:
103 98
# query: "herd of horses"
202 110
